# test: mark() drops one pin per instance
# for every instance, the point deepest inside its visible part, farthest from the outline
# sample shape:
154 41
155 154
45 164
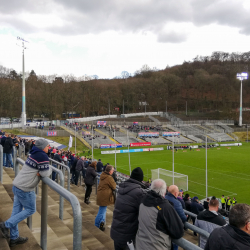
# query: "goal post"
180 180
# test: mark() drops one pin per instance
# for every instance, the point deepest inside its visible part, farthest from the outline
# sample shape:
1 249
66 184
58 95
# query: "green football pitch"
228 168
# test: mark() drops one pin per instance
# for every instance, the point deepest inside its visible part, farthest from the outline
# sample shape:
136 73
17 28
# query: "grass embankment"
80 147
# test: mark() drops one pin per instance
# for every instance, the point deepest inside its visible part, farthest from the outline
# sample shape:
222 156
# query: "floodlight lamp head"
242 76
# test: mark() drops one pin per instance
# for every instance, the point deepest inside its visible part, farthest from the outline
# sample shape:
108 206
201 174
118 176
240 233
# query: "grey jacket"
158 223
80 165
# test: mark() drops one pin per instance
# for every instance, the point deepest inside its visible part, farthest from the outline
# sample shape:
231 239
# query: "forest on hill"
207 84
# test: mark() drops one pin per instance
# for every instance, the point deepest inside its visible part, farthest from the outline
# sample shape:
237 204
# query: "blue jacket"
196 207
177 206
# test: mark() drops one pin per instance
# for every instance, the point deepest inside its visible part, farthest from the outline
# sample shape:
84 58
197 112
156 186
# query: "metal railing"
185 244
61 177
77 213
63 166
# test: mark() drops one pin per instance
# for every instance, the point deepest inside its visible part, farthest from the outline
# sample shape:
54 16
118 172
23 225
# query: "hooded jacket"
105 190
125 216
37 162
158 223
208 221
229 238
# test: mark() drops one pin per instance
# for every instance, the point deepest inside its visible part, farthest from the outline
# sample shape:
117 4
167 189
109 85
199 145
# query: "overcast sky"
106 37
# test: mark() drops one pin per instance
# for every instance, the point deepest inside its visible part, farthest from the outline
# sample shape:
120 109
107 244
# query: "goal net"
180 180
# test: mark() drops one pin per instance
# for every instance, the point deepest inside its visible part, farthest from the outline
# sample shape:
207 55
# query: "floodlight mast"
241 76
23 115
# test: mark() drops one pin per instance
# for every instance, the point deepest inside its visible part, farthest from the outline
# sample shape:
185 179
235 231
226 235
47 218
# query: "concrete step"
93 237
60 233
5 213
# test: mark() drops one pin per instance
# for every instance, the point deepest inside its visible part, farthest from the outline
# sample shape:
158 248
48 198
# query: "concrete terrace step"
60 233
5 213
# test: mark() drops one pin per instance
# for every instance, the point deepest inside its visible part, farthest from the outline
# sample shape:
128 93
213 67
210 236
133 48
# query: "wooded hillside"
207 84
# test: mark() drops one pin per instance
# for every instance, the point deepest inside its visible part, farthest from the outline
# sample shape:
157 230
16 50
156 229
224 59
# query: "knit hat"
137 174
41 143
195 198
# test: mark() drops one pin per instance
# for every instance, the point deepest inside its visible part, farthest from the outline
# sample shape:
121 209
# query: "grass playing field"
228 168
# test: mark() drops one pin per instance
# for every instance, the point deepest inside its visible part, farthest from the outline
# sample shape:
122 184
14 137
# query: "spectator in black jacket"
130 194
236 235
206 204
195 207
7 150
99 168
208 220
79 168
57 158
90 180
73 169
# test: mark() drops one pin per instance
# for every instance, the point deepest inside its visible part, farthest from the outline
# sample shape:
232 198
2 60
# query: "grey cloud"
95 16
172 37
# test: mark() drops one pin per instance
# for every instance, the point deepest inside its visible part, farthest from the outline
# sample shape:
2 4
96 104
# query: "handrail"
77 213
77 229
197 230
1 164
193 227
185 244
190 213
64 166
59 172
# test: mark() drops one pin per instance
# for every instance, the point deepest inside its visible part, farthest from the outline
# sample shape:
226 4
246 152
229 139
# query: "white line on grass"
213 187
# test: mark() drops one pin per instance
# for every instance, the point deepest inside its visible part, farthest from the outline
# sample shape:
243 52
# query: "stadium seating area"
220 137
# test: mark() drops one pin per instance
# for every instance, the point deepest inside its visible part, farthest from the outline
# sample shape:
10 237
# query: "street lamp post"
23 115
241 76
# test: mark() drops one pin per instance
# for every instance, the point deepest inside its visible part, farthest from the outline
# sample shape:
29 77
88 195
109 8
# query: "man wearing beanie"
35 167
125 216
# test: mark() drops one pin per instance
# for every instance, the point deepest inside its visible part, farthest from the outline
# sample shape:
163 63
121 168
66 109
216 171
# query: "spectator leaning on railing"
236 235
209 219
35 167
158 220
129 197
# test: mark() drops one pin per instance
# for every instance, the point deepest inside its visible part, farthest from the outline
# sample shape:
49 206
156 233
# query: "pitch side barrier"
77 228
185 244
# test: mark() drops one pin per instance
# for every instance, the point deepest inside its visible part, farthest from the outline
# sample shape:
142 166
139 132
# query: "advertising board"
170 133
148 134
52 133
103 123
140 144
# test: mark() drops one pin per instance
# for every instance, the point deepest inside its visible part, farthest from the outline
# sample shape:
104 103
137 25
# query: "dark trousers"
223 205
54 173
77 174
88 191
119 247
228 207
73 176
